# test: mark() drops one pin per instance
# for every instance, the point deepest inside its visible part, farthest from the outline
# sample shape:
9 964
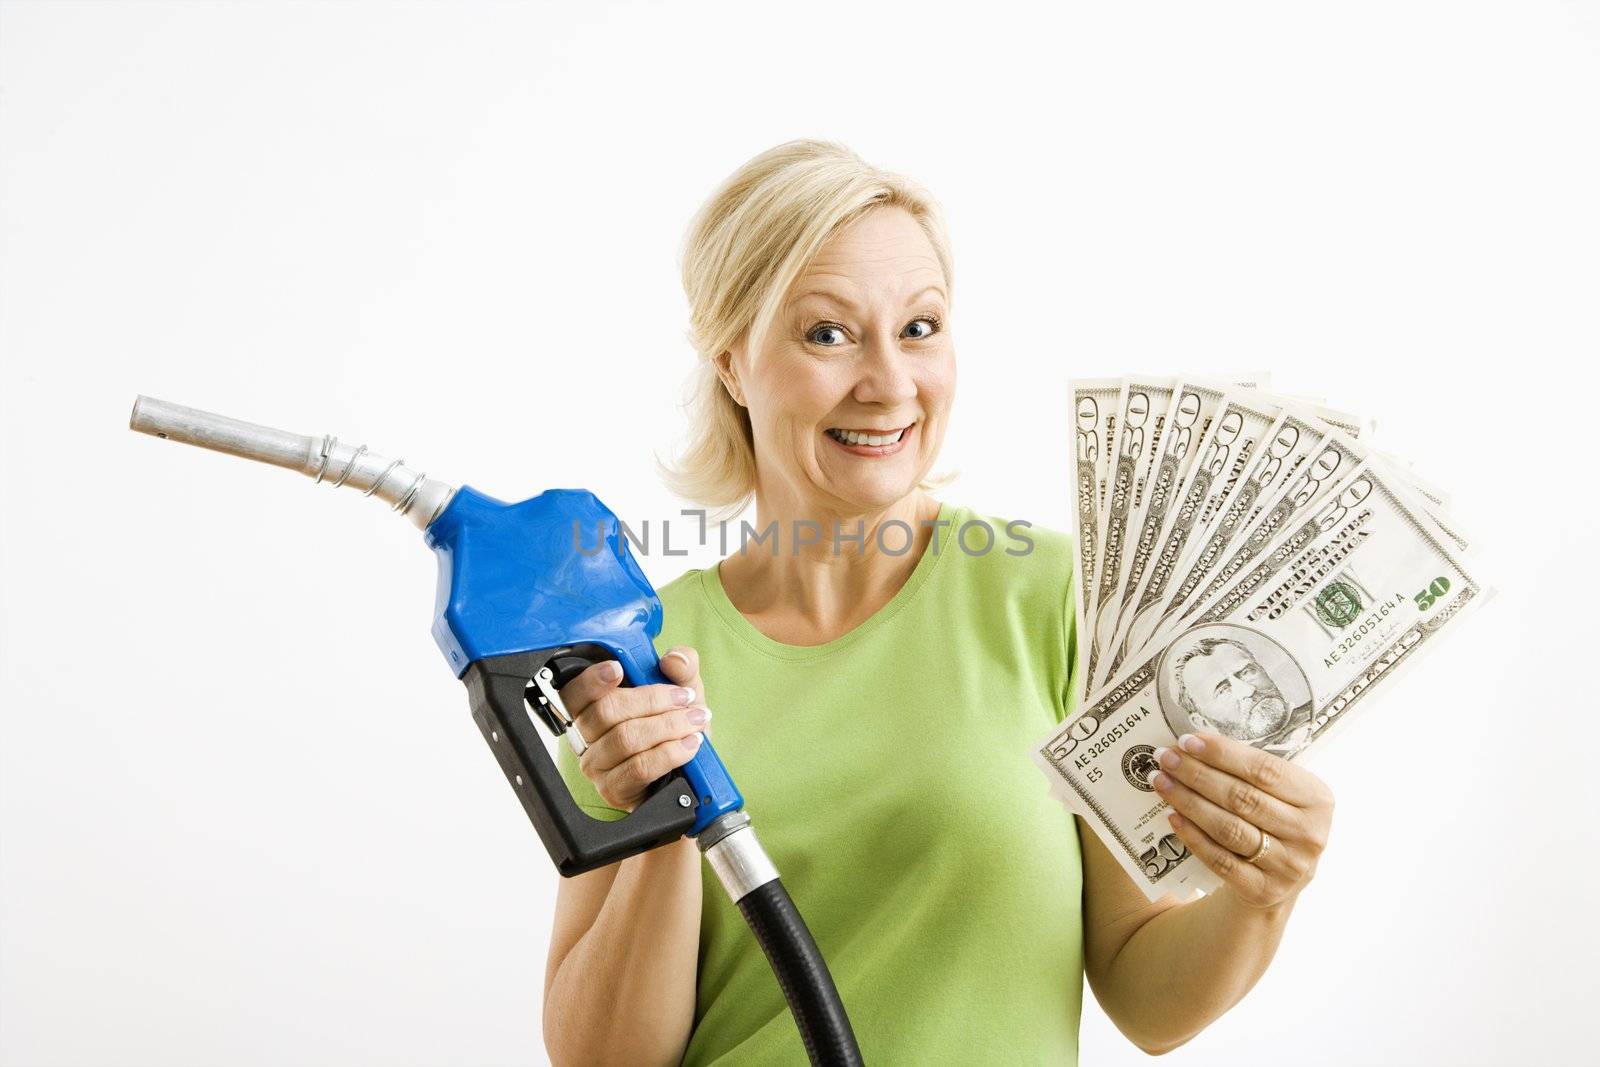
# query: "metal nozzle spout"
412 494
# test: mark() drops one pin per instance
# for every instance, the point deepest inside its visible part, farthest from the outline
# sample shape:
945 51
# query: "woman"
878 695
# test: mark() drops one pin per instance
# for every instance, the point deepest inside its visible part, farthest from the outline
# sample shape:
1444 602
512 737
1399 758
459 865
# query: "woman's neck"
852 565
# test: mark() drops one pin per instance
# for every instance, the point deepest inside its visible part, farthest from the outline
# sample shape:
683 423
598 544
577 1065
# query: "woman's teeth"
850 437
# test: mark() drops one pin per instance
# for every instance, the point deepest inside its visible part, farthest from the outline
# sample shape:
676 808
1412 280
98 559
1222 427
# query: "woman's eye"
929 328
818 334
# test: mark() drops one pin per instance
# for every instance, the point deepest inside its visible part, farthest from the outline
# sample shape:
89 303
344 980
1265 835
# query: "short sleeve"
578 784
1069 628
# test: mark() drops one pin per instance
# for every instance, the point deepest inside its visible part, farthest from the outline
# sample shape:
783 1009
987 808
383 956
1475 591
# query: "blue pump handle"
546 573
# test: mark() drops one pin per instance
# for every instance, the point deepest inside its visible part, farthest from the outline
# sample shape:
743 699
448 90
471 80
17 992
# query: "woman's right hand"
636 734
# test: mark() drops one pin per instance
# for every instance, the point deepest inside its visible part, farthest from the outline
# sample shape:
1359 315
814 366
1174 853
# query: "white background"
246 817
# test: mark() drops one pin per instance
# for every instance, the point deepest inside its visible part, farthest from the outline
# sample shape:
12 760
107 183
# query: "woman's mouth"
869 441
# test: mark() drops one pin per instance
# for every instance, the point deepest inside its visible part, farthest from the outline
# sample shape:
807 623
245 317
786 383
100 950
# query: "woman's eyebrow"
845 301
826 294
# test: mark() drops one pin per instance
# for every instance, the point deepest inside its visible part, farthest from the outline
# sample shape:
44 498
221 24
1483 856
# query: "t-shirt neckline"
711 586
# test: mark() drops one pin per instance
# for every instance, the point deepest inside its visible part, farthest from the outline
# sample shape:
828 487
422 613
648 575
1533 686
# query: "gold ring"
1266 846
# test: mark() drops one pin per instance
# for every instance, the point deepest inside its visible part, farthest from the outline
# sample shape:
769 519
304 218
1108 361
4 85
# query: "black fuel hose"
802 975
751 879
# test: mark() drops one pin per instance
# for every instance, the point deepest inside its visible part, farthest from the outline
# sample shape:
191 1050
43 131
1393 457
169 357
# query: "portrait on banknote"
1238 682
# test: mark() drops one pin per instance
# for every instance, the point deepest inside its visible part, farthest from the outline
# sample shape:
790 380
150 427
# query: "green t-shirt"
888 776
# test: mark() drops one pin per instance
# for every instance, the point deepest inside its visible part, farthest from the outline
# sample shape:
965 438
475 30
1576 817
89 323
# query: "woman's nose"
885 374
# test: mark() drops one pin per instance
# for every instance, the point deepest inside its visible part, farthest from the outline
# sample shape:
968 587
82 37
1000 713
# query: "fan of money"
1247 563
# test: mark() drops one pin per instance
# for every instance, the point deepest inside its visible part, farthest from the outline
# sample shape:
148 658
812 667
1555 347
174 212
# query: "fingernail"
1160 782
700 716
1175 821
1168 758
691 742
679 656
683 696
1191 743
610 670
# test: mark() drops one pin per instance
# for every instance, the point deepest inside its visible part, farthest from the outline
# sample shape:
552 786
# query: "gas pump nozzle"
523 606
416 496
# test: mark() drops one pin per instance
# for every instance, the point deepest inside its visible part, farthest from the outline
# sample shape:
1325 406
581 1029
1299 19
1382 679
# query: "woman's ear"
724 367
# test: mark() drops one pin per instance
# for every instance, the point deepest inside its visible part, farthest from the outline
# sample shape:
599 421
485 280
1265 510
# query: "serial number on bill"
1104 742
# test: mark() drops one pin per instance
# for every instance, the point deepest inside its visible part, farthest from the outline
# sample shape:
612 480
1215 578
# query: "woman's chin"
873 493
872 484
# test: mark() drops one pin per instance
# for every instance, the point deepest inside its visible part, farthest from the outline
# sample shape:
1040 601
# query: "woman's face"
850 396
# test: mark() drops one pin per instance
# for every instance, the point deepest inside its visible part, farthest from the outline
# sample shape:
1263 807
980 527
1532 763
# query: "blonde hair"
744 249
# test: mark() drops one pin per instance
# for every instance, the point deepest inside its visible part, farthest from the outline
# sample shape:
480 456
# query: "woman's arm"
620 980
1165 971
624 951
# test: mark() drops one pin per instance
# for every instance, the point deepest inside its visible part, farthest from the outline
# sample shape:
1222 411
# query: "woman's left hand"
1226 795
